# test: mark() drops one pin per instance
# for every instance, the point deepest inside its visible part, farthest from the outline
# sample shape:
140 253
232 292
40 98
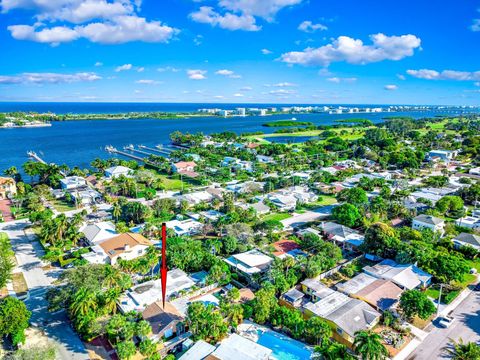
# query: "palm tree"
368 344
116 211
112 277
109 299
332 350
83 302
458 350
143 329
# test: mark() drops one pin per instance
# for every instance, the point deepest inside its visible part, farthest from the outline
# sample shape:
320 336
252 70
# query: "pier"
113 150
132 149
158 150
34 156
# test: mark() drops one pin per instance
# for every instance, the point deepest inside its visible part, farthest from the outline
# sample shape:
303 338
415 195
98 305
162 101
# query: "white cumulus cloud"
266 9
339 80
228 21
266 51
309 27
429 74
196 74
147 82
48 78
354 51
123 67
98 21
228 73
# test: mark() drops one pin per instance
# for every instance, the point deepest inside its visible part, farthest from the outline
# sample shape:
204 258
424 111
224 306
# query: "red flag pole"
164 263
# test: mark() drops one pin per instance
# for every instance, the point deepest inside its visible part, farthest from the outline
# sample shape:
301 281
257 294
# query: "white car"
445 321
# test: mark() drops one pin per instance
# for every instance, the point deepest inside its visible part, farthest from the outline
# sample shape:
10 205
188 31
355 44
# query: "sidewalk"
420 335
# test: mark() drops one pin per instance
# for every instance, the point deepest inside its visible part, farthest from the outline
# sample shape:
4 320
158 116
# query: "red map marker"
163 270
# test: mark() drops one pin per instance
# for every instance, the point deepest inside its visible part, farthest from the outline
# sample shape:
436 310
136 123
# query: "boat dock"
113 150
158 150
33 155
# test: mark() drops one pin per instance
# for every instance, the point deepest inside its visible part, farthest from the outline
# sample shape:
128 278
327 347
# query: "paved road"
28 252
466 326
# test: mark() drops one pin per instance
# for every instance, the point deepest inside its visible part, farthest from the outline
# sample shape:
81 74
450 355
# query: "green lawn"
173 184
62 205
277 216
475 264
448 297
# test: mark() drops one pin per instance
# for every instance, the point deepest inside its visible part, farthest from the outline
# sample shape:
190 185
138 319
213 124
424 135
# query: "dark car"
477 287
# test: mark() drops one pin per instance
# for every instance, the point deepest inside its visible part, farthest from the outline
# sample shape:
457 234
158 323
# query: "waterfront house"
183 166
116 171
98 232
8 188
428 222
127 246
466 239
406 276
72 182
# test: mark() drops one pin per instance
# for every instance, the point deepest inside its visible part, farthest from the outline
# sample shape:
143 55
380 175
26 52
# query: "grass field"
62 205
277 216
173 184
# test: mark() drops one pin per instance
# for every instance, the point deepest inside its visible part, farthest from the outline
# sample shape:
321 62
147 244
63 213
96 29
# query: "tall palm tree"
369 346
458 350
116 211
84 301
109 299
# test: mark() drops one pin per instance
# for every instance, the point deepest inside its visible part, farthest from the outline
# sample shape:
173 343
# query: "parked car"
477 287
445 321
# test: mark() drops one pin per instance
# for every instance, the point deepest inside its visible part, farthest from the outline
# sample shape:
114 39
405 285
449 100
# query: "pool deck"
250 330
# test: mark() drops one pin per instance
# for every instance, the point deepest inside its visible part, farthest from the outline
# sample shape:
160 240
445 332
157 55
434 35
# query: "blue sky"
276 51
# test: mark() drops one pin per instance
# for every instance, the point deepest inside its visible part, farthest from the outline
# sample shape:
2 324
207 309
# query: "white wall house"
116 171
428 222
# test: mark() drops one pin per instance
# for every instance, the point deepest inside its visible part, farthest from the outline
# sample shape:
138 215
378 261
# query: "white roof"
142 295
199 350
98 232
356 283
405 275
118 170
328 304
237 347
250 262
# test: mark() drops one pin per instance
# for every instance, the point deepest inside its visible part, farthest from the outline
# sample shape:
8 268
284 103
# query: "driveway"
298 220
466 326
28 252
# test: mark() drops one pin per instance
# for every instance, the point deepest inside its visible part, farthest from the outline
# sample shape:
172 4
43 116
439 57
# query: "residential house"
315 290
381 294
344 315
209 215
185 227
98 232
283 202
198 197
186 168
428 222
471 222
466 239
140 296
165 322
265 159
127 246
406 276
85 196
116 171
250 262
8 187
443 155
199 351
292 298
72 182
356 283
342 235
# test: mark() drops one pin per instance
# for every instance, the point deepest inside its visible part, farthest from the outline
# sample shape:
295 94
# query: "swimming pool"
283 347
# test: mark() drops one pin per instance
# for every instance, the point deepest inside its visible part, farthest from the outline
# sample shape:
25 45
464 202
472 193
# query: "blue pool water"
283 347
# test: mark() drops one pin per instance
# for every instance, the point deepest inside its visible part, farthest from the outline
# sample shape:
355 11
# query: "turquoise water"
283 347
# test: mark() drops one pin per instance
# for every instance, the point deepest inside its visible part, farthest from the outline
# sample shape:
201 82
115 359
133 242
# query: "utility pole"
439 297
